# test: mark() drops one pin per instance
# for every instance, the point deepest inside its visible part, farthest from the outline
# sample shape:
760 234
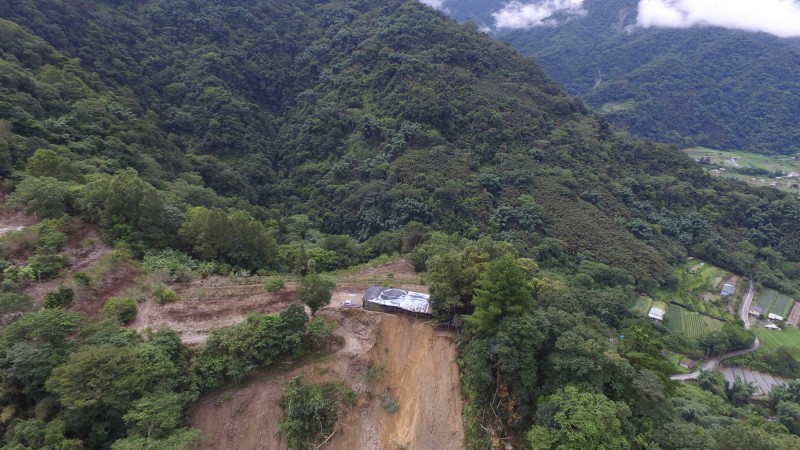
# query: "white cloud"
518 15
778 17
435 4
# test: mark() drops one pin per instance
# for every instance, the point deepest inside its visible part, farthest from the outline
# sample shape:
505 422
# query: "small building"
772 326
656 314
773 316
391 300
756 311
727 290
687 363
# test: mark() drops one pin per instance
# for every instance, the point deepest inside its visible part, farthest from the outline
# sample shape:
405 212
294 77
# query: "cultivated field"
774 302
691 323
674 318
788 337
698 287
732 160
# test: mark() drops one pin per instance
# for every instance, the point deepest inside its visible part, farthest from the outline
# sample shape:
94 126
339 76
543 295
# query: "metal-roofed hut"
656 314
393 300
727 289
756 311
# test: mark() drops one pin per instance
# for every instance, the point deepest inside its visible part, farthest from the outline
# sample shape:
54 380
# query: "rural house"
391 300
656 314
727 290
756 311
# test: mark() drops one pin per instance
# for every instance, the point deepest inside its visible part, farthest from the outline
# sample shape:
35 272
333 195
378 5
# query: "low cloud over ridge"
436 4
778 17
518 15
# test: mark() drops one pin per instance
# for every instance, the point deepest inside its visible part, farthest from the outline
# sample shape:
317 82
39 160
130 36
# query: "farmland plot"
694 325
765 297
674 318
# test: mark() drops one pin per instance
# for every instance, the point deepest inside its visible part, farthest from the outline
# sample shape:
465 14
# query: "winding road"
712 363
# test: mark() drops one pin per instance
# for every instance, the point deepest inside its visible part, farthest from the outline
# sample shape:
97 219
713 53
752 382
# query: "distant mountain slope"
711 87
365 116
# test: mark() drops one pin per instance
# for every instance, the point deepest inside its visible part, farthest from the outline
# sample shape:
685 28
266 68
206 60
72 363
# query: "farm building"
687 363
772 326
756 311
773 316
656 314
391 300
727 289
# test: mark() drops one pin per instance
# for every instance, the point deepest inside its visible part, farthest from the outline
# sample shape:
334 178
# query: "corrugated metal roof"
408 300
656 313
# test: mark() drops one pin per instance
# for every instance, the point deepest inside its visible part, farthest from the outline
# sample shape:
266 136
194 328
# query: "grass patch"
374 373
640 306
787 337
713 324
612 107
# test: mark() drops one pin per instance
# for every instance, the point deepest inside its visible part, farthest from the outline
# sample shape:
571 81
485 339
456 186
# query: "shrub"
59 298
374 373
389 403
82 278
320 332
178 264
123 309
14 302
311 410
164 294
274 284
315 291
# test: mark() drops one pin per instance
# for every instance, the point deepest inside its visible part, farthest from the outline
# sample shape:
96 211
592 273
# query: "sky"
438 4
778 17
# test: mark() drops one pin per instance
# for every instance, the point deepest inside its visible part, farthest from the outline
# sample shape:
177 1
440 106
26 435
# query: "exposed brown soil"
84 248
12 220
114 283
206 304
420 372
794 315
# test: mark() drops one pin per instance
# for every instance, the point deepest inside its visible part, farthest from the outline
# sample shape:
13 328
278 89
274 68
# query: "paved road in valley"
712 363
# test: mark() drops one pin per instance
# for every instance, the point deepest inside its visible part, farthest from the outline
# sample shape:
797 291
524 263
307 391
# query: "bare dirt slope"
420 372
217 301
11 220
206 304
84 248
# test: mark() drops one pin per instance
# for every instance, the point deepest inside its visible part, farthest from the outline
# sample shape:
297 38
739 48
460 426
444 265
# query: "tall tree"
501 291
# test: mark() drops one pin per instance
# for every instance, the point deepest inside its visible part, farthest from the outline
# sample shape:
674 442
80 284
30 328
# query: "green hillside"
709 87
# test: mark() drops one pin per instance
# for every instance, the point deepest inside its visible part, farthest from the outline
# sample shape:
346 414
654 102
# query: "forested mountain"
705 86
263 134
